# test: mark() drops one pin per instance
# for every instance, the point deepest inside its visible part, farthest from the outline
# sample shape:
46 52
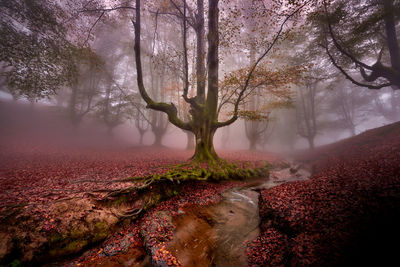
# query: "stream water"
217 235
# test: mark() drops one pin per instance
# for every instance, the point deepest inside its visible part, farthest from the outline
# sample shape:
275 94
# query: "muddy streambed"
214 235
217 235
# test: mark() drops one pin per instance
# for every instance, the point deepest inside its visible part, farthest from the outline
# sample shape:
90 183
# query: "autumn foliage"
348 210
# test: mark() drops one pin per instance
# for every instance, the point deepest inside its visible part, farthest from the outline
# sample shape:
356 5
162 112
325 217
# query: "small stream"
217 235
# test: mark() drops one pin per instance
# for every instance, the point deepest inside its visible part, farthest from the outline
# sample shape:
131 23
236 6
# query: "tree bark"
252 145
204 150
353 131
311 143
225 137
200 58
158 135
204 120
390 27
141 134
190 145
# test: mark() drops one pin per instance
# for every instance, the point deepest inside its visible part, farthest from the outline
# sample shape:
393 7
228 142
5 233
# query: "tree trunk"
158 135
141 134
225 137
200 58
190 145
204 118
253 142
71 106
311 143
353 131
205 145
110 132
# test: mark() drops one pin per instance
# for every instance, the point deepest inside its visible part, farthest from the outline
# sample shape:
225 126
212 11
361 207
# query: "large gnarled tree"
204 106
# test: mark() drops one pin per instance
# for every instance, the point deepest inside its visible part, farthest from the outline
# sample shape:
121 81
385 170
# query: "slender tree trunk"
225 137
158 135
200 52
353 130
252 127
190 145
141 135
311 143
253 144
72 112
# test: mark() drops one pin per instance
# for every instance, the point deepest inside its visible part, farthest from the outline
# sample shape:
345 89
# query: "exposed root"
131 213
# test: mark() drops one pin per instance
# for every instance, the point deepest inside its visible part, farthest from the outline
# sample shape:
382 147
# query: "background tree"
36 51
350 105
307 110
388 106
84 76
361 31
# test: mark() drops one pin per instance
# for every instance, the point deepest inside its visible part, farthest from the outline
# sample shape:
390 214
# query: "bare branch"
249 76
107 9
91 28
375 87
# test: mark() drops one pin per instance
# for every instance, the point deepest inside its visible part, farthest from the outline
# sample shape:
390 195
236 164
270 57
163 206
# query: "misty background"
98 102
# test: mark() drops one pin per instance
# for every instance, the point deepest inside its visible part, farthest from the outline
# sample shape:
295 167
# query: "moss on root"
221 171
73 242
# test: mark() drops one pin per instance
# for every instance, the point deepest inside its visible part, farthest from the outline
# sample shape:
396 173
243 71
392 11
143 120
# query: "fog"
302 92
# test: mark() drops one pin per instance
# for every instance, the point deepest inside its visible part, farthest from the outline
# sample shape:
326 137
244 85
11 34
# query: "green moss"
75 246
70 248
122 199
76 239
55 238
171 191
100 231
213 172
15 263
98 236
101 225
77 233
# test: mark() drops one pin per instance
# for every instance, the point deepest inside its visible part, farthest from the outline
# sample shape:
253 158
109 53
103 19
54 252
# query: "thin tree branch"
249 76
370 86
94 25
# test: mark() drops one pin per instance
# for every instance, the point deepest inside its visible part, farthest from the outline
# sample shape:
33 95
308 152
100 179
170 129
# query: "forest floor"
50 194
347 212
